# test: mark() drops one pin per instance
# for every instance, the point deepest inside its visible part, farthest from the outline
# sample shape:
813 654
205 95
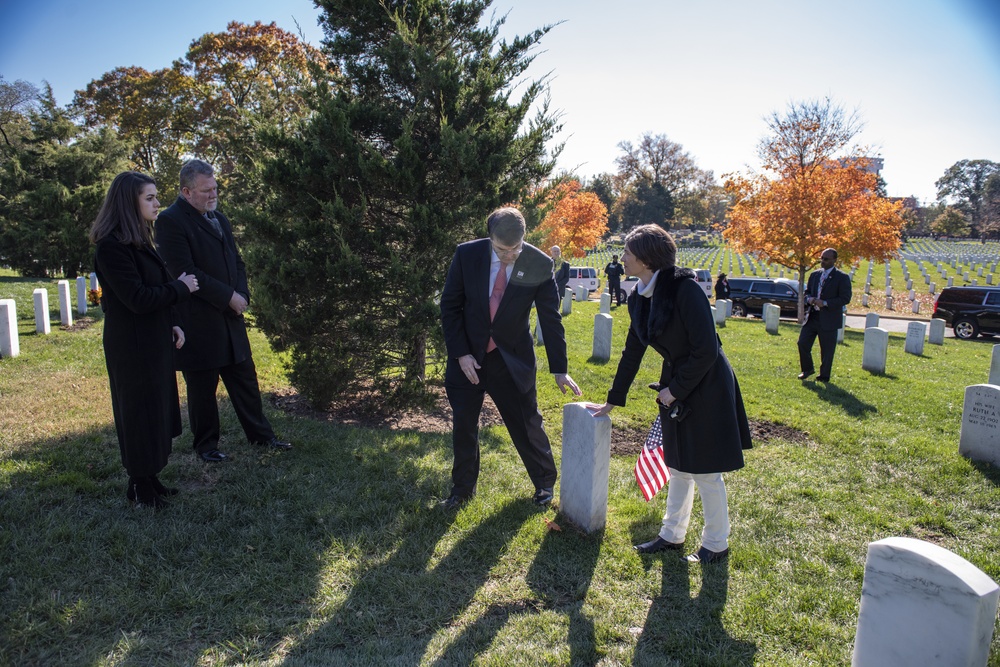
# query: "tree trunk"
802 295
416 361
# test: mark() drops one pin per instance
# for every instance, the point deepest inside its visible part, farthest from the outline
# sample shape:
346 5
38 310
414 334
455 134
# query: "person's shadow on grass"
681 626
560 577
847 401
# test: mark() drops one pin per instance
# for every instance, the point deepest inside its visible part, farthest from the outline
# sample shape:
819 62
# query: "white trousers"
680 498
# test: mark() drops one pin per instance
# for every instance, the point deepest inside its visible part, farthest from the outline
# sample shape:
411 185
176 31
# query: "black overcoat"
216 334
677 322
137 298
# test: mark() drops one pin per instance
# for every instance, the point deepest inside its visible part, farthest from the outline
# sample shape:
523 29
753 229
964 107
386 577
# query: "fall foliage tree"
813 197
576 222
951 222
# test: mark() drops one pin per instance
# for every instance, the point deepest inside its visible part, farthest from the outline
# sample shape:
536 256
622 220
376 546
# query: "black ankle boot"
141 491
163 490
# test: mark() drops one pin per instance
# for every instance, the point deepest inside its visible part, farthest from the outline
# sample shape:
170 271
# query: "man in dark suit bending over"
194 238
485 306
827 292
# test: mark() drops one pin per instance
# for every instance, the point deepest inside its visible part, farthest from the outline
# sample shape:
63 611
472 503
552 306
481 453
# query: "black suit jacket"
465 313
836 293
216 335
562 278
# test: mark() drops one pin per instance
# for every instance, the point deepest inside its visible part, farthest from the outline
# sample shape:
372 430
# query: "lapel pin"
520 274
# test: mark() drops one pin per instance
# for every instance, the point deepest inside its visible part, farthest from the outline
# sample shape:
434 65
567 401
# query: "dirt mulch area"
80 324
624 440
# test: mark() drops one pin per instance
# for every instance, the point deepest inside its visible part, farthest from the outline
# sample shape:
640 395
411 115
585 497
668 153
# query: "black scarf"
651 316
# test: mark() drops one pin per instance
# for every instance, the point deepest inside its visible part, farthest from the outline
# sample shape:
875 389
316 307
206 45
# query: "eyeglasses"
508 252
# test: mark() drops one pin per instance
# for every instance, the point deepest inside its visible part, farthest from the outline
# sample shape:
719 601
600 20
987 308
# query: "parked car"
703 278
750 294
583 275
970 311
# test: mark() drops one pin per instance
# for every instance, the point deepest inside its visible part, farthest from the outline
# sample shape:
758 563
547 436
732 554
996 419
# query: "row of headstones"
920 603
603 322
10 343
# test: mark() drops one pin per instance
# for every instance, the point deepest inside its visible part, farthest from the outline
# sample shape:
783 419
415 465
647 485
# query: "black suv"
970 311
750 294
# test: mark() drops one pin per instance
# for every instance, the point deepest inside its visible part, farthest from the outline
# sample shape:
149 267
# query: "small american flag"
650 469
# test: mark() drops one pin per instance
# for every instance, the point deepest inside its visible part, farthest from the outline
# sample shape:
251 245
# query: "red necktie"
499 285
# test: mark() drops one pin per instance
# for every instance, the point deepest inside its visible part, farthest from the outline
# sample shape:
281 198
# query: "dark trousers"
520 415
827 346
244 393
615 288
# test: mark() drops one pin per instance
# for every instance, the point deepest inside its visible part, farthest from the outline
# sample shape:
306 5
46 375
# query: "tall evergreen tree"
408 148
53 185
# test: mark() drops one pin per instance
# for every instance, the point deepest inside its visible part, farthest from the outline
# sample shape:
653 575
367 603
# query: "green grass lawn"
336 552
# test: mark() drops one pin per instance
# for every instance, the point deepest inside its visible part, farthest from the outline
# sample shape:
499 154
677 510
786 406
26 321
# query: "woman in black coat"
670 313
722 287
139 332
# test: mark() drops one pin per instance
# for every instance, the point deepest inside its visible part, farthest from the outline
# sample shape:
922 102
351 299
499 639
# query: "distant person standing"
827 292
722 287
141 330
561 270
614 271
194 238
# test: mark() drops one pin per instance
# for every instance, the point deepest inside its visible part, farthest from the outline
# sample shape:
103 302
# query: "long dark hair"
119 214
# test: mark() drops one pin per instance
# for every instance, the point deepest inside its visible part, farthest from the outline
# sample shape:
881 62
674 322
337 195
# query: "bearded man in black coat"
194 238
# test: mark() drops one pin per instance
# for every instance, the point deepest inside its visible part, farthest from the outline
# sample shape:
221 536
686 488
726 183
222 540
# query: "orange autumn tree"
577 220
817 194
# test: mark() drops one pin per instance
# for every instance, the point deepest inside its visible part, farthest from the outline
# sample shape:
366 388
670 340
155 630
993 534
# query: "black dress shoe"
273 443
542 496
658 544
704 556
823 378
804 375
454 502
140 491
214 456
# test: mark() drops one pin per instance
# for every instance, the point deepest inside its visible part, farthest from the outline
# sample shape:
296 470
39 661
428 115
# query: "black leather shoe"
803 376
454 502
214 456
705 557
273 443
140 491
542 496
658 544
823 378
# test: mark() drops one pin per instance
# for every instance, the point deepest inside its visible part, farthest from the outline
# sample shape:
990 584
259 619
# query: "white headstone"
81 295
65 311
980 438
888 290
10 345
602 336
864 300
567 306
729 307
606 303
915 307
42 323
995 366
772 315
876 350
915 332
936 334
843 325
932 288
93 281
586 459
581 293
923 605
888 302
539 339
871 320
951 282
719 313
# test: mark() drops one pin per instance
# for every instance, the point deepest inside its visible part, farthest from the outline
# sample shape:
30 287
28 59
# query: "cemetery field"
336 552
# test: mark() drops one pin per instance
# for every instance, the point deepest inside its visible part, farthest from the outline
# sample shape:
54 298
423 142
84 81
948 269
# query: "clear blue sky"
924 74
